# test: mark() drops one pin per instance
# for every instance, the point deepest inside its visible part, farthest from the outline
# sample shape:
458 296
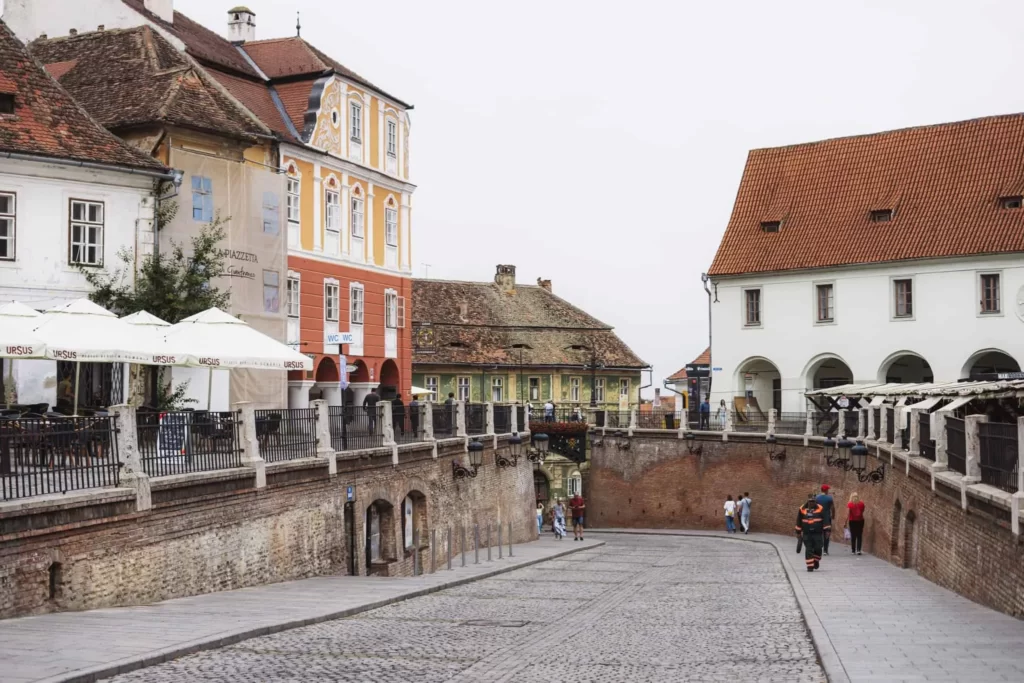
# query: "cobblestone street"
641 608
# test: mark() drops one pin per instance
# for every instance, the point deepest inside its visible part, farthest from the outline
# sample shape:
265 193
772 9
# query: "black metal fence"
890 425
744 421
355 428
905 432
179 442
791 423
286 434
408 422
851 428
924 436
50 454
825 424
476 419
616 419
956 445
657 418
998 455
445 419
502 419
876 428
521 417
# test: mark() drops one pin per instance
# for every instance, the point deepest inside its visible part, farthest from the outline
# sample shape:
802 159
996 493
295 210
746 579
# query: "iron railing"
656 418
616 419
905 435
790 423
445 417
502 419
748 422
180 442
924 436
998 455
476 419
355 428
408 422
852 426
55 454
825 424
286 433
877 423
956 445
521 416
890 425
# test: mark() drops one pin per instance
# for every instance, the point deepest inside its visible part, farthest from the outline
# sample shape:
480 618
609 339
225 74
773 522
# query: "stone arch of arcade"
758 388
987 362
905 367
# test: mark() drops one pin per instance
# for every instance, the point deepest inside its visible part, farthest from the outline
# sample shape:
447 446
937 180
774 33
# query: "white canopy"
83 331
17 340
214 339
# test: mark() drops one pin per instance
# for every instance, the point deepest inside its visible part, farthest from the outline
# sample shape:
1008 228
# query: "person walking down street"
577 506
540 517
414 416
705 414
398 415
558 512
811 528
370 406
745 512
720 415
730 514
829 504
549 411
855 522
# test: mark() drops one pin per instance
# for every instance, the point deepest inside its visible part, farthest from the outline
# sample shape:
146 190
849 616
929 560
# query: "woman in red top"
855 520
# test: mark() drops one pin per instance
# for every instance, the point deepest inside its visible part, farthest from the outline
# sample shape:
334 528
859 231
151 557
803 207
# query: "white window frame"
90 232
391 137
10 220
390 226
814 294
599 390
332 301
624 385
575 389
743 307
893 307
356 313
529 388
205 195
979 294
497 383
294 201
332 213
358 210
355 123
293 294
391 309
432 385
459 386
575 484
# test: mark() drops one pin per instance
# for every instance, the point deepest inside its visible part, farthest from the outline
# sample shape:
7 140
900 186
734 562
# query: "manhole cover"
495 622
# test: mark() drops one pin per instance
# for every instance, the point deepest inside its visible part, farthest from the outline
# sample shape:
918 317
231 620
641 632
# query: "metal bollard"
510 539
488 541
449 547
500 549
416 552
433 547
462 545
476 543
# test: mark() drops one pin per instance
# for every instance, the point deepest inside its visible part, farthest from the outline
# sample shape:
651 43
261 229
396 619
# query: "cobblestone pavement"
641 608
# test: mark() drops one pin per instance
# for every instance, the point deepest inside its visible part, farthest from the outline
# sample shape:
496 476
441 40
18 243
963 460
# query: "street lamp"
512 452
539 449
772 443
859 456
476 456
691 438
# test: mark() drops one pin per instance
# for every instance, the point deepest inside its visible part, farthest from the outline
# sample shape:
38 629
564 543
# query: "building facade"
895 257
691 383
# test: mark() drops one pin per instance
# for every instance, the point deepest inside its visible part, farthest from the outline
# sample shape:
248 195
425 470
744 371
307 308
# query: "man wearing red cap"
828 504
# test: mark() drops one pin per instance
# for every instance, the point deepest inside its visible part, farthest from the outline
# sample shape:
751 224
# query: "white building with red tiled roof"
897 256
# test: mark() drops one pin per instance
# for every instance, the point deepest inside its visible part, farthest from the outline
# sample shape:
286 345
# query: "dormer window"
770 226
6 103
881 215
521 346
457 345
1013 202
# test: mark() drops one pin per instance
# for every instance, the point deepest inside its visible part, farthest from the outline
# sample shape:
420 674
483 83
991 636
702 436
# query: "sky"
600 144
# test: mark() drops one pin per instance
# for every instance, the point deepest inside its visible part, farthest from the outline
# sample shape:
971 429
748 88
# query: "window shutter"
401 312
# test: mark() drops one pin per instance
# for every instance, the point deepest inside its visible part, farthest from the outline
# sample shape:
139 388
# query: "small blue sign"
350 493
716 369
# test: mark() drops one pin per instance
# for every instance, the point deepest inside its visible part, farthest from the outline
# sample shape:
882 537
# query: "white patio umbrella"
214 339
16 337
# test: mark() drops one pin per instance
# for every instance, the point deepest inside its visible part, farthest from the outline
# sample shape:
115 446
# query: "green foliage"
168 399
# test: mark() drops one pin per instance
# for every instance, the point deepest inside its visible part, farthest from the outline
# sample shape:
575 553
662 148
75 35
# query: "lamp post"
771 444
476 456
539 450
512 452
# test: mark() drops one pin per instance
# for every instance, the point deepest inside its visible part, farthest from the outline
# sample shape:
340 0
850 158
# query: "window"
463 388
357 217
356 121
86 234
8 214
826 303
599 390
534 383
904 293
392 138
333 211
431 388
391 310
356 304
331 301
202 199
497 389
391 227
292 291
271 291
334 118
271 213
624 388
990 293
881 215
1014 202
6 103
752 307
574 389
293 200
770 226
575 484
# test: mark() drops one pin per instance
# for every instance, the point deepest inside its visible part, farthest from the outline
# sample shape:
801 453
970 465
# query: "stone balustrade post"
883 429
809 428
972 437
514 418
939 433
427 422
842 424
1015 501
915 431
728 418
489 424
862 424
387 419
324 449
249 443
773 416
632 419
132 475
460 418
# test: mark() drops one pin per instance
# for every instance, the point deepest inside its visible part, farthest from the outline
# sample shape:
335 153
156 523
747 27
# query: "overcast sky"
600 144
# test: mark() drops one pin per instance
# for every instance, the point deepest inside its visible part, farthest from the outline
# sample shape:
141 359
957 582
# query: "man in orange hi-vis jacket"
811 527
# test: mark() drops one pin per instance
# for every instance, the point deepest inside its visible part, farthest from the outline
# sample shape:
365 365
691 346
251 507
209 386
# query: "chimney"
546 284
241 25
162 8
73 32
506 279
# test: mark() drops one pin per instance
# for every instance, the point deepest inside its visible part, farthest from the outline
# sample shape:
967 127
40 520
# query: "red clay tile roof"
702 359
134 77
942 182
295 98
48 122
256 97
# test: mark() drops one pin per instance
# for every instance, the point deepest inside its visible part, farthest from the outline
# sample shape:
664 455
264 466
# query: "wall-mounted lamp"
509 456
691 439
476 457
859 460
772 444
539 449
622 443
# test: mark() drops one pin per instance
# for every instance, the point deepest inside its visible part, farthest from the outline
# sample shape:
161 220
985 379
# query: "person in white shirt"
744 505
730 514
549 412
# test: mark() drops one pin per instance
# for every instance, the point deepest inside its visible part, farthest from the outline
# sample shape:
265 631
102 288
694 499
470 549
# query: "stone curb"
101 671
827 655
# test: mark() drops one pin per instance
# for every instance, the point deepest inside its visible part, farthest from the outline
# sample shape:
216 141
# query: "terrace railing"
184 441
877 423
852 424
657 419
890 426
476 419
521 416
42 454
998 455
286 434
503 419
445 417
956 445
408 422
825 424
791 423
355 428
924 436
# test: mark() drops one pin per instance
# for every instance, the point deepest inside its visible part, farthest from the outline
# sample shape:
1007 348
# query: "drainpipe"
705 278
650 377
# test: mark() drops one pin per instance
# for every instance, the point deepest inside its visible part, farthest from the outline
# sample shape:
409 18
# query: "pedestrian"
745 512
855 522
398 414
730 514
558 512
577 506
829 504
540 517
811 529
720 414
370 406
414 416
705 414
549 411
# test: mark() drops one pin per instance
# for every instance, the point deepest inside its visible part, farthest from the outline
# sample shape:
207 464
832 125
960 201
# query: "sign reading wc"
338 338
